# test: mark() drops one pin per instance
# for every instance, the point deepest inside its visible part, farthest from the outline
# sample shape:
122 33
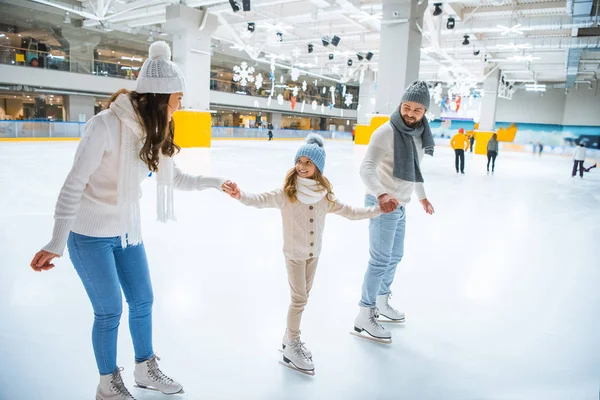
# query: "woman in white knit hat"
98 216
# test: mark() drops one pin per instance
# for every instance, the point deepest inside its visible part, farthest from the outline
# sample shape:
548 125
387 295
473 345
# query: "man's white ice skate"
286 342
295 358
367 322
390 313
111 387
148 375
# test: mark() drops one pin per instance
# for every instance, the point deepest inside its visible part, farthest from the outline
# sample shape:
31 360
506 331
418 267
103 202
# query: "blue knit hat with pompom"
313 149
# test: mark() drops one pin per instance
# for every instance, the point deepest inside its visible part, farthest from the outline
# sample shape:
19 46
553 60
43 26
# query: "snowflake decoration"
330 106
258 81
324 90
348 99
344 91
314 104
295 91
430 116
243 74
295 74
304 86
256 104
280 99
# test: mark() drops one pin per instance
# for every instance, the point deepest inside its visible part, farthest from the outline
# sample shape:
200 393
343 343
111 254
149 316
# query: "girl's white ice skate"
387 311
286 342
367 322
148 376
111 387
295 358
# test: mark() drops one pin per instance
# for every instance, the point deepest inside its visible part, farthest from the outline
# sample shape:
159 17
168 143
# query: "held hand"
233 190
387 203
41 261
427 206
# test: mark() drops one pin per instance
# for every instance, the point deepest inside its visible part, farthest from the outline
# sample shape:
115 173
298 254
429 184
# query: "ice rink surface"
500 287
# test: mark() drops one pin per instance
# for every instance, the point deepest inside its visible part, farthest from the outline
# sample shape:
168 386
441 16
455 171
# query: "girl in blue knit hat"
304 200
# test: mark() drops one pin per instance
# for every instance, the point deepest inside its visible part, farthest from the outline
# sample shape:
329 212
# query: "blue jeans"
105 268
386 248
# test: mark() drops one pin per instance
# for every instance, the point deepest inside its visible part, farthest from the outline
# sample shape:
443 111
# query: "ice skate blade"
391 321
371 338
156 390
310 373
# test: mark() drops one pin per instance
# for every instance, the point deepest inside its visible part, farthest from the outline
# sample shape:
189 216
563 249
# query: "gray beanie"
417 92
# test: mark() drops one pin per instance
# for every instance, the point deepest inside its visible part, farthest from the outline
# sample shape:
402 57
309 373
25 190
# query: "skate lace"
387 304
299 349
155 373
373 315
117 385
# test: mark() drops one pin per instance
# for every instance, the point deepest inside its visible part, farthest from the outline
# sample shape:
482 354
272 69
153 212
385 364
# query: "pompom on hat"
159 74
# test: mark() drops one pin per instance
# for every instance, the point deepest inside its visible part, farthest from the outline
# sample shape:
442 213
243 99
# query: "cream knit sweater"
87 203
303 224
377 168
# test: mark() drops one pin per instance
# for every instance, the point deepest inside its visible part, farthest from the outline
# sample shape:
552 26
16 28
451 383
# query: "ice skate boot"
111 387
148 375
366 321
295 358
286 342
390 313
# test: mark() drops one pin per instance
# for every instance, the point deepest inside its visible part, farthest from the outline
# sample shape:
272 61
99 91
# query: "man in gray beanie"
391 172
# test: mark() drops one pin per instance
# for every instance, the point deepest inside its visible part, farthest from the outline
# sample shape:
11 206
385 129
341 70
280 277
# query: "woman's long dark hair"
152 110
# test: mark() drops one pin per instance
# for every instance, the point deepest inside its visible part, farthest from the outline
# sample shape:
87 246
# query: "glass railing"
46 129
47 60
40 129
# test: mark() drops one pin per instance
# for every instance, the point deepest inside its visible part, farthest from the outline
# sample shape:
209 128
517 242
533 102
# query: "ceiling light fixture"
335 40
325 41
234 5
310 48
451 23
360 57
251 26
437 10
369 56
466 41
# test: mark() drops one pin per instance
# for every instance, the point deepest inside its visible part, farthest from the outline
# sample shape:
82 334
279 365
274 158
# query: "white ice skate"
295 358
286 342
147 375
367 322
111 387
389 312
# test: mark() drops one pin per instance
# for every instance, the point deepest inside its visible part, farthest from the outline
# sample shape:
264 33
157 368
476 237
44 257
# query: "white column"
81 50
191 31
487 119
79 108
276 120
366 98
399 51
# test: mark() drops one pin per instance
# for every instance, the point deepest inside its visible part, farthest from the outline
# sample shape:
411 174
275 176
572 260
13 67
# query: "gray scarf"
406 158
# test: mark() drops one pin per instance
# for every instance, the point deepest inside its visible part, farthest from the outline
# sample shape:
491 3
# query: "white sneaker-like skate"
111 387
367 322
389 312
295 358
286 342
147 375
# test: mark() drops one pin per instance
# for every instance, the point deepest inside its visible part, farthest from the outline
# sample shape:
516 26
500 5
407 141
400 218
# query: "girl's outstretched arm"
353 213
273 199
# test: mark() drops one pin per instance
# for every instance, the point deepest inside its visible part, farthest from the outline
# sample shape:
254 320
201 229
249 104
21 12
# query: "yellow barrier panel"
192 128
508 134
481 141
364 132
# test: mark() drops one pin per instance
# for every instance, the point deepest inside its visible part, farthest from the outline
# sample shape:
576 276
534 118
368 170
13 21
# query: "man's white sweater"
377 168
87 203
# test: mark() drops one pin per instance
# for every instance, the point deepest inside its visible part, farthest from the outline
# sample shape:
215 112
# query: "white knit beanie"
159 74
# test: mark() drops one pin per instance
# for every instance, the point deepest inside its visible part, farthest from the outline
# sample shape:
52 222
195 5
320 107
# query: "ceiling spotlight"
67 19
369 56
360 57
476 52
310 48
331 56
234 5
349 62
251 26
451 23
438 9
325 41
466 41
280 36
246 5
335 40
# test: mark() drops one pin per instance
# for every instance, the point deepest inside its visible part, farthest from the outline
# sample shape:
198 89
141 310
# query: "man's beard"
413 123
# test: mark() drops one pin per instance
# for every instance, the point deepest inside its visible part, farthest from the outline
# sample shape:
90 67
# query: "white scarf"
131 171
309 191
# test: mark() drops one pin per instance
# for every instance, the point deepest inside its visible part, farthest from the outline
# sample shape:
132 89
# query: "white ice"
500 286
